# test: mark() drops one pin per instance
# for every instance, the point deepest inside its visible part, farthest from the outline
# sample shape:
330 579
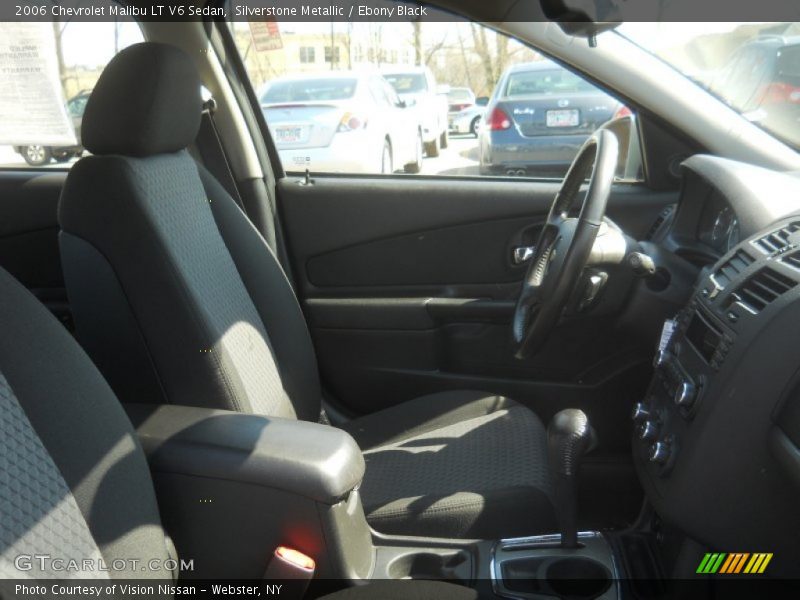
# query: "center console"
541 567
251 485
694 347
725 379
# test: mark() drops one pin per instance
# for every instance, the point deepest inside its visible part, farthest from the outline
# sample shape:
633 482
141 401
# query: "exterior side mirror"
482 100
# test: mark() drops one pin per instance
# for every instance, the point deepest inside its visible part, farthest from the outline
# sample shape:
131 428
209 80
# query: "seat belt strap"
212 154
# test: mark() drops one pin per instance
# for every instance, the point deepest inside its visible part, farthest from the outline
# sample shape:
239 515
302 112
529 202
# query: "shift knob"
569 437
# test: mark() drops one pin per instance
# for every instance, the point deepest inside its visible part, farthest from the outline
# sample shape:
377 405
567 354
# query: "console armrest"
319 462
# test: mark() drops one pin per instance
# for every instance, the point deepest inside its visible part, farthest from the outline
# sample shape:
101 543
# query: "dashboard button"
639 412
648 431
685 394
659 453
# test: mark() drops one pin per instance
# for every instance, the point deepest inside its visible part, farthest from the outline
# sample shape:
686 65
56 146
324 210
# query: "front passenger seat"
74 483
178 299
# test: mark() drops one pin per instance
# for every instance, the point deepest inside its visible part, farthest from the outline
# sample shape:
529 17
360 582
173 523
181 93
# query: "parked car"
464 110
762 81
538 117
37 155
417 87
342 122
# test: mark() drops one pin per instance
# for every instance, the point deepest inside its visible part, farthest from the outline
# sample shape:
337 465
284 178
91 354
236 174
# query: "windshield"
752 67
546 81
460 95
407 83
309 90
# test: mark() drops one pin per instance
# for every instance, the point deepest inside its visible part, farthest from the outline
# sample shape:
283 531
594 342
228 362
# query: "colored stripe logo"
734 563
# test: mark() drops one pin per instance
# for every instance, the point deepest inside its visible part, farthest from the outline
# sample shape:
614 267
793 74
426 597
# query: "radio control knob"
659 453
685 394
648 431
639 412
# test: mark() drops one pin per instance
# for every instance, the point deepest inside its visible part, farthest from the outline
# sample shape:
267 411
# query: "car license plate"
563 118
288 134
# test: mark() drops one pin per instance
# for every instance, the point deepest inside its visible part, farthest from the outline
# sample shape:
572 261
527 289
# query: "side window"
483 103
50 74
307 54
391 94
379 93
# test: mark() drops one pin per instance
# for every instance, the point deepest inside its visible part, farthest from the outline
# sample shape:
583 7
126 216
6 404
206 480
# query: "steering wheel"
565 243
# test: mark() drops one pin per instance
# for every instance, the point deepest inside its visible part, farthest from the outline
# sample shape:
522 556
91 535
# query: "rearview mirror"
583 18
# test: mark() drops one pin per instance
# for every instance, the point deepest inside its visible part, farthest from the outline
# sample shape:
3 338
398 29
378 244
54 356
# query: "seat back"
74 483
175 295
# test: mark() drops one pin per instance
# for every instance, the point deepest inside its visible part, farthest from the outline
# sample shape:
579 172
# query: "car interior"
401 386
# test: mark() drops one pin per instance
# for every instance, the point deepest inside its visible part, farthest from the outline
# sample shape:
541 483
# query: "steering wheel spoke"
556 217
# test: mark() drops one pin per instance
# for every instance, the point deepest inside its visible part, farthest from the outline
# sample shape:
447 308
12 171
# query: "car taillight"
779 93
498 120
459 107
351 122
622 111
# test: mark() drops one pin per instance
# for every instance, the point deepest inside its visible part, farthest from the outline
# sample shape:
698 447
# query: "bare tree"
349 44
58 33
417 41
423 54
495 60
495 57
464 62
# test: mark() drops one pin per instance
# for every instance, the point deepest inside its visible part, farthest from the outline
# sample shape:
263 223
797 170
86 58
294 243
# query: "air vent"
732 268
663 216
760 290
779 240
793 260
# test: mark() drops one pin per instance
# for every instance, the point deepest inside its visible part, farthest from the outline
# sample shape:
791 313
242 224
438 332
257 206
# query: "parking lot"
11 160
459 158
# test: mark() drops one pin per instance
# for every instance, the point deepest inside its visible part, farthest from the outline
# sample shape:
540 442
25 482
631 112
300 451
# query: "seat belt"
209 151
209 146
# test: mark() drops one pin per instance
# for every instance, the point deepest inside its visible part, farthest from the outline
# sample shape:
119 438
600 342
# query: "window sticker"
31 97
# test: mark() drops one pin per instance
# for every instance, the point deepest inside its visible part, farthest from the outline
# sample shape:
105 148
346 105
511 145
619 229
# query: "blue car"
538 117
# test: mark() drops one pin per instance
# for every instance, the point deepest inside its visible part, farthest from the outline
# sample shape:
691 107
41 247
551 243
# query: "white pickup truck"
417 87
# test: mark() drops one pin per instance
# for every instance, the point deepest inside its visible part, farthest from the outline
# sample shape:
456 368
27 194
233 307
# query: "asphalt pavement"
459 158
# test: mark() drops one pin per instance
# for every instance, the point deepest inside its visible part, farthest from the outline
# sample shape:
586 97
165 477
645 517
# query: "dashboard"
723 202
719 226
721 415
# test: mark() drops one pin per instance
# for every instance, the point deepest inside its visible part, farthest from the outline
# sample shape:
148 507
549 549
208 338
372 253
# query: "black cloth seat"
74 482
177 298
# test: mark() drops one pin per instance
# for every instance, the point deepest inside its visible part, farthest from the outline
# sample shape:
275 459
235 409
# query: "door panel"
337 222
409 288
395 261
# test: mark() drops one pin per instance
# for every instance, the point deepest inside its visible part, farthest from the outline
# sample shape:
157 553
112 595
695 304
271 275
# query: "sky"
92 44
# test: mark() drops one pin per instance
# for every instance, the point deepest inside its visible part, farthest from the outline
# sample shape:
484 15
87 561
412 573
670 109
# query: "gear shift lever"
569 437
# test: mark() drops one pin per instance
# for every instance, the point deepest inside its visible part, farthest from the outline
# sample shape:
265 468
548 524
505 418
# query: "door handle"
521 254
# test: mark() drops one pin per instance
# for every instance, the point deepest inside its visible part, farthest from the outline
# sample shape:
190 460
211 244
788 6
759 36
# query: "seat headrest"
147 101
